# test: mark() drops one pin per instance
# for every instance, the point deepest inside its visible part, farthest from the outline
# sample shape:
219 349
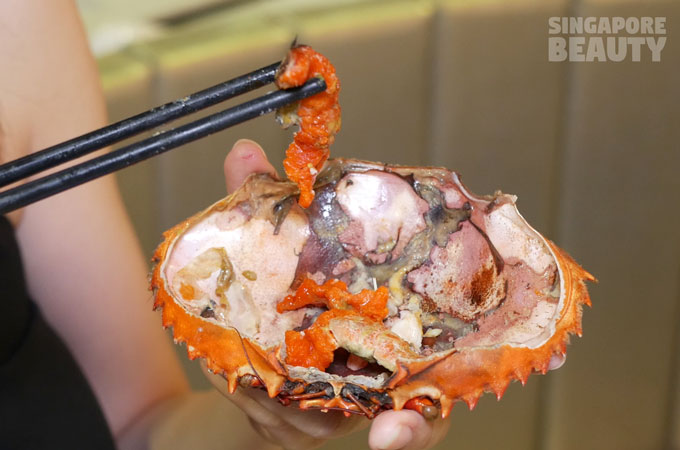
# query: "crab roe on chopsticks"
317 116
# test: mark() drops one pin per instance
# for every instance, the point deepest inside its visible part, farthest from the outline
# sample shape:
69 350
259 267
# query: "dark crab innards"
397 288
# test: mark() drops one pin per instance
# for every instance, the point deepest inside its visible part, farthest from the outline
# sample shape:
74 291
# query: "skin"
81 257
88 276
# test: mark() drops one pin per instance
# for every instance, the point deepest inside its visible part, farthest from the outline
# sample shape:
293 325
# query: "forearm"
82 261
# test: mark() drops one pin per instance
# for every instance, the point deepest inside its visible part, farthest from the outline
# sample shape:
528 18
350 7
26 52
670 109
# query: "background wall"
591 149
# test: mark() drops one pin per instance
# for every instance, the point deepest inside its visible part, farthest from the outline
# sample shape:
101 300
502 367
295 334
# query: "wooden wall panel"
673 424
191 178
497 99
381 55
496 115
619 218
360 37
127 86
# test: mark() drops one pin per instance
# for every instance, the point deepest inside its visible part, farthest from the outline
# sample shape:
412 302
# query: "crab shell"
523 316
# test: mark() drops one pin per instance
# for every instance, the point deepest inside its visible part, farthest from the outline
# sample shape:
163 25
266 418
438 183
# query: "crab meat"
409 329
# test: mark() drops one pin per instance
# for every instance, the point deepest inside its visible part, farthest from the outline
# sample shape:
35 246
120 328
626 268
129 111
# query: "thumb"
406 430
245 157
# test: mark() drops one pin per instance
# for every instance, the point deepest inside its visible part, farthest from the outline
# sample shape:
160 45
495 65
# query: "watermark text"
585 39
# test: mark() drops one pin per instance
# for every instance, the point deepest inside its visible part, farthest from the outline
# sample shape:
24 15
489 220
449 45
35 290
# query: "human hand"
299 429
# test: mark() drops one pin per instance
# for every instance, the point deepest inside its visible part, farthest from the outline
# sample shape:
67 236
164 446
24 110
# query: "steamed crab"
364 286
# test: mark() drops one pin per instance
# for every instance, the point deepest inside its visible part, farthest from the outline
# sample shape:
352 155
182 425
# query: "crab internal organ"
474 296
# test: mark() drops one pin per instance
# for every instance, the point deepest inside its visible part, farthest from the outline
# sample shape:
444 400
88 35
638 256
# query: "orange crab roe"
314 346
319 118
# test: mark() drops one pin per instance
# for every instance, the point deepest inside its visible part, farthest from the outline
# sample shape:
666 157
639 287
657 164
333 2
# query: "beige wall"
592 150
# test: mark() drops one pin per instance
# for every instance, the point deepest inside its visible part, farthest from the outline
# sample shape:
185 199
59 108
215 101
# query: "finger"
245 157
317 424
244 402
268 424
406 430
556 361
323 425
274 416
286 436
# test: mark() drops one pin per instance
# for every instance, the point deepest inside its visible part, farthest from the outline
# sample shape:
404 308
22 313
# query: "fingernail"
247 149
556 361
398 437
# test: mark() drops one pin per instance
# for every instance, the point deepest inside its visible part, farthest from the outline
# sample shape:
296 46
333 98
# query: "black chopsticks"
58 182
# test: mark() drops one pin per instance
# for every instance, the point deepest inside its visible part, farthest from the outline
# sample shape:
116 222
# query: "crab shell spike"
500 387
334 403
447 405
522 375
427 220
232 382
472 399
